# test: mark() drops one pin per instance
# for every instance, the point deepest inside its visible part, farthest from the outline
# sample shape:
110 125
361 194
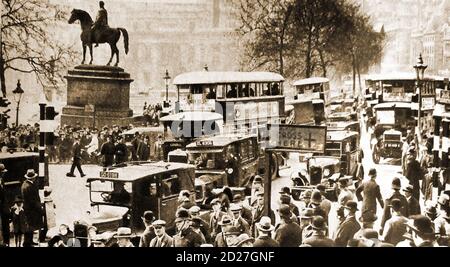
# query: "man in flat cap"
162 239
396 194
413 203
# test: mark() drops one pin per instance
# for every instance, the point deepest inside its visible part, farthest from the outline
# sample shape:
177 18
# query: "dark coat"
265 242
413 206
167 242
220 242
147 237
214 223
32 205
19 221
143 152
188 238
414 174
372 193
387 209
395 229
76 151
135 144
346 231
288 234
121 153
319 241
243 226
108 150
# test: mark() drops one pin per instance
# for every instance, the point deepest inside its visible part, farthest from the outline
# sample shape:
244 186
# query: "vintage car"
392 123
17 163
318 170
344 145
120 196
230 159
389 146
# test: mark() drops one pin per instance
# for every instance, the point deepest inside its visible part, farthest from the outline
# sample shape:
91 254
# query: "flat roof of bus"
219 140
393 105
340 135
7 155
211 77
339 124
313 80
399 76
135 172
144 130
193 116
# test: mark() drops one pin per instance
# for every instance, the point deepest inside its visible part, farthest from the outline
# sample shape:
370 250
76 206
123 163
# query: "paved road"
72 199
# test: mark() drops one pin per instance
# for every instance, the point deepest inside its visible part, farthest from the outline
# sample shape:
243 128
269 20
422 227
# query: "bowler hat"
318 223
372 172
30 174
369 234
285 211
237 198
409 189
225 220
396 184
148 216
182 215
351 205
123 232
316 197
321 187
285 190
2 168
396 204
421 225
265 224
307 213
232 230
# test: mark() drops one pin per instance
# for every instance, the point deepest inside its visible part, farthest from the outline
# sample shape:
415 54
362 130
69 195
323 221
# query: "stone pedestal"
97 96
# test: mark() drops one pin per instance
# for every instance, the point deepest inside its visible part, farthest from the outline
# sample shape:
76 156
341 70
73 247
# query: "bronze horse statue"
108 35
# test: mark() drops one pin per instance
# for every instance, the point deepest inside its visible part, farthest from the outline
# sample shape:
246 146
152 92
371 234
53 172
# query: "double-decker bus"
246 100
313 89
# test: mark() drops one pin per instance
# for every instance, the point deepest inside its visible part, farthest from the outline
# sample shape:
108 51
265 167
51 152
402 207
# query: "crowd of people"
227 220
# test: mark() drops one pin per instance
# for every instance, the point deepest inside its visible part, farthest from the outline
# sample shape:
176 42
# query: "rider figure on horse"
100 24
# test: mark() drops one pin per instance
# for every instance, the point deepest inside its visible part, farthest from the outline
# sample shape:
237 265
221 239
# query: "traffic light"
50 115
4 102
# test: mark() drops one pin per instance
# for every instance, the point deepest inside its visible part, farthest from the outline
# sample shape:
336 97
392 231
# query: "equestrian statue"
98 32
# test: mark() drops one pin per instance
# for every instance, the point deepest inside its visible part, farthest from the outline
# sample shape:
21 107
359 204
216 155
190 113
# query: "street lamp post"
420 72
167 82
18 92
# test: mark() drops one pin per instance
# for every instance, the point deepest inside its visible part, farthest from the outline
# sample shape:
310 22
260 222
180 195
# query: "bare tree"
27 43
265 26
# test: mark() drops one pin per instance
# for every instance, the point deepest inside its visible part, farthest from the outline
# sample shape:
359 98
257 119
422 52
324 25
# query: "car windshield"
111 192
207 160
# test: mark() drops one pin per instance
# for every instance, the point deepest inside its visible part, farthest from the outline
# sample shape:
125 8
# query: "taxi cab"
230 160
17 163
120 196
344 145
